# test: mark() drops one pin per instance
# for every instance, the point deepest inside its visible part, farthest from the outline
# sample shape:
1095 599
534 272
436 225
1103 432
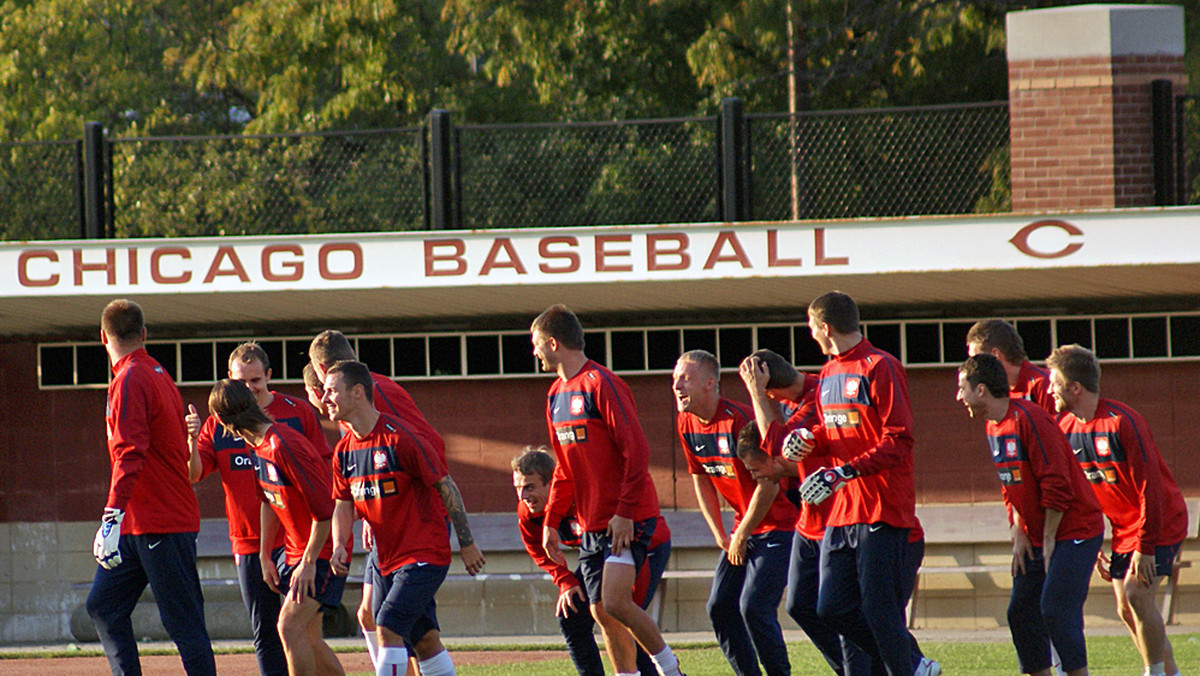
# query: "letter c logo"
1021 239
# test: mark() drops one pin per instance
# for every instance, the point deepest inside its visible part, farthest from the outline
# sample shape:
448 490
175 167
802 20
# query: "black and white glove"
797 444
106 547
825 482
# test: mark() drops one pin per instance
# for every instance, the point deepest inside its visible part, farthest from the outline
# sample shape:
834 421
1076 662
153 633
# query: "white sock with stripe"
392 661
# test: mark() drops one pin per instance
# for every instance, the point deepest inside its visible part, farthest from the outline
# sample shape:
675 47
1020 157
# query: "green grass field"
1108 656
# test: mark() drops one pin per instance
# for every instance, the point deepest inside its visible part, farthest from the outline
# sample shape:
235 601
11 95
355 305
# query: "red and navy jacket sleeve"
531 537
307 471
889 393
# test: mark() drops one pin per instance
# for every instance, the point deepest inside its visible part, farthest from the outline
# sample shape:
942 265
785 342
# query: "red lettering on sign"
432 257
356 258
23 268
294 267
603 253
1021 239
819 257
512 259
156 257
237 269
737 256
773 259
133 268
679 251
109 266
571 257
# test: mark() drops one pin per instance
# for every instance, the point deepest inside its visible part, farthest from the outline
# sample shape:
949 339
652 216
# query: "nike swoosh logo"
155 544
1079 542
1077 450
555 411
350 468
422 563
773 544
875 528
824 393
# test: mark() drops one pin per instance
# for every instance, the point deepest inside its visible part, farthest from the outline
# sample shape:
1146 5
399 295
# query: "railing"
729 167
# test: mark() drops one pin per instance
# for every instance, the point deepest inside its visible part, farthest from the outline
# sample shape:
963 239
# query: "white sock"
393 661
631 673
667 663
1156 669
438 665
372 646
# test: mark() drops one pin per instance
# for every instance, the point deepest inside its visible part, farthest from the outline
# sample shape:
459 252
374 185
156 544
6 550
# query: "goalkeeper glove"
825 482
797 444
106 548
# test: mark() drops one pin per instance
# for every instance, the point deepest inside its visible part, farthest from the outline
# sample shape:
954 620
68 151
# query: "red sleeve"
340 486
1049 454
615 403
204 447
562 484
889 393
420 456
1146 478
531 537
128 435
308 472
693 463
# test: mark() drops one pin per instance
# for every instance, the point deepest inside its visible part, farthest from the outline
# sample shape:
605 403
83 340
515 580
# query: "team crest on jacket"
1102 446
1010 448
577 404
723 445
851 388
380 459
272 473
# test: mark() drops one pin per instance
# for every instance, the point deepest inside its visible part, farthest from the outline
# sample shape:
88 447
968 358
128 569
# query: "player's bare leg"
300 632
1135 605
618 642
619 578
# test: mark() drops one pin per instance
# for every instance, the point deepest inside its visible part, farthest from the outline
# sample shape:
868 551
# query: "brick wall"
1081 130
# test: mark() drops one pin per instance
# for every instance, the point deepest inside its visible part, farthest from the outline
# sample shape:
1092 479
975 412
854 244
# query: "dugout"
1083 258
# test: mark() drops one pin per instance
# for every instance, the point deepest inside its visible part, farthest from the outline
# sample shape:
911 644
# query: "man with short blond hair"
1144 505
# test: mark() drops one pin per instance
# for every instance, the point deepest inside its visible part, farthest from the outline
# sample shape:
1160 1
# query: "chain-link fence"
894 162
40 186
270 184
841 164
656 171
1187 150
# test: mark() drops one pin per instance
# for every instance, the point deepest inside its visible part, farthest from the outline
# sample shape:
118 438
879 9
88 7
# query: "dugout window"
516 354
923 343
1185 336
196 363
483 355
808 353
56 365
778 339
1112 338
735 343
1149 337
662 349
596 345
628 350
700 339
1036 334
885 337
294 356
1072 331
376 353
91 365
445 356
410 356
954 341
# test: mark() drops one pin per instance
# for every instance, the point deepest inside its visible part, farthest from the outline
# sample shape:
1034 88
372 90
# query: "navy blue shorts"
1164 558
594 551
327 587
408 608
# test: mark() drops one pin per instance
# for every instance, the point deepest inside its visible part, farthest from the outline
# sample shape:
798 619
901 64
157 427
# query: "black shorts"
1164 558
594 552
327 587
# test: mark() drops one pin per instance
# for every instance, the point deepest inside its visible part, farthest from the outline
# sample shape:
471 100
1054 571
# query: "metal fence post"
94 201
441 194
1162 101
735 193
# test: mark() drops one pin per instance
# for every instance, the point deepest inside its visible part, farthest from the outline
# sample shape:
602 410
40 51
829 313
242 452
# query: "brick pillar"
1079 102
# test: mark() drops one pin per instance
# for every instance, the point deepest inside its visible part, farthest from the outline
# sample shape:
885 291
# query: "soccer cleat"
928 667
